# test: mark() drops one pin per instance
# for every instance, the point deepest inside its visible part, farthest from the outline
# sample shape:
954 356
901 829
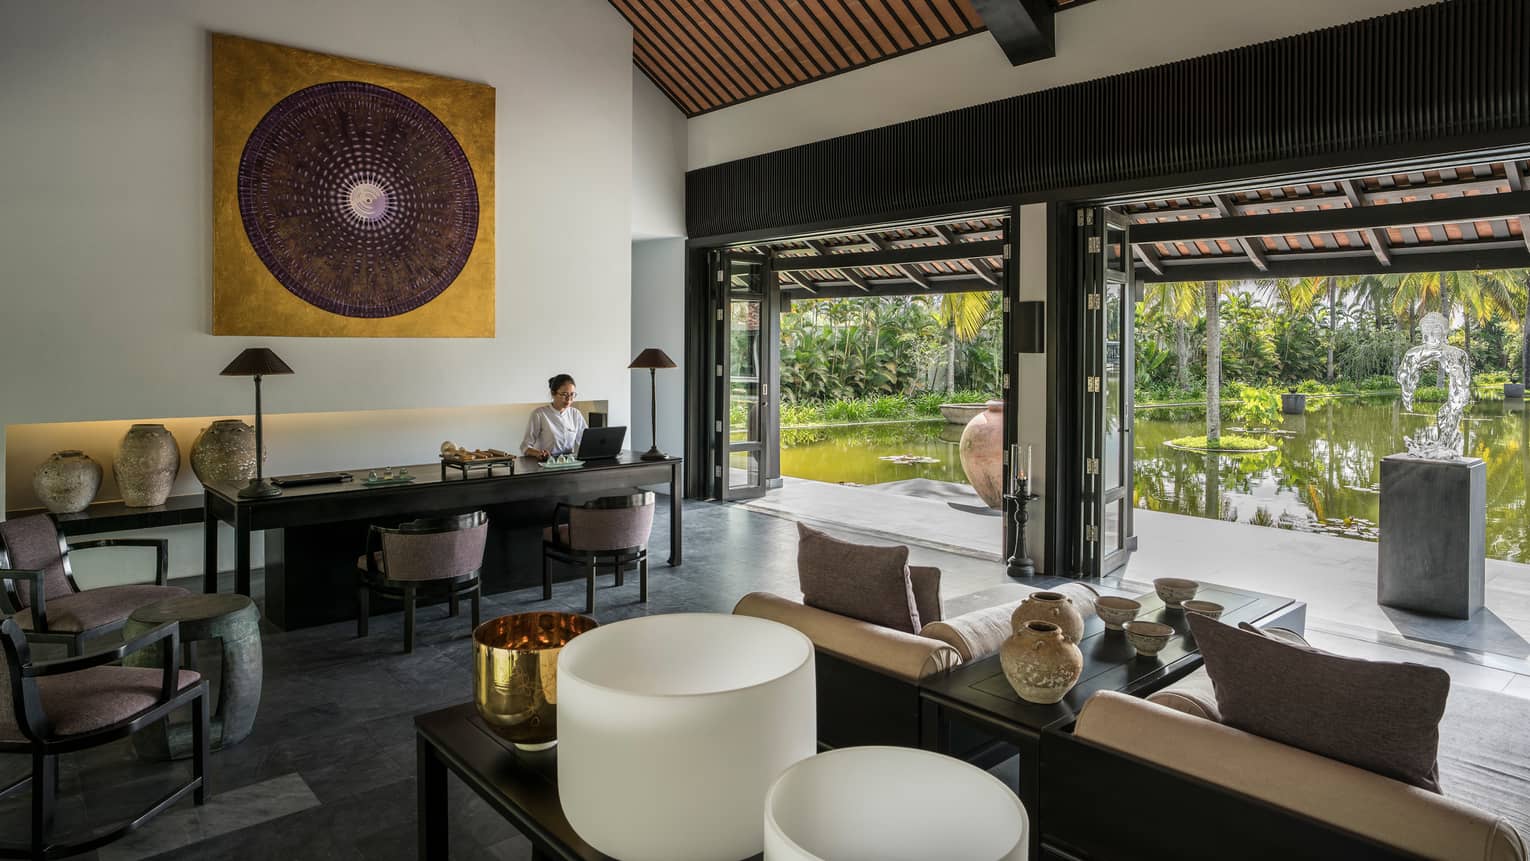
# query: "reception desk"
314 534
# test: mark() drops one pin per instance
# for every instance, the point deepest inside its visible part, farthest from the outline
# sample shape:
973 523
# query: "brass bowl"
515 674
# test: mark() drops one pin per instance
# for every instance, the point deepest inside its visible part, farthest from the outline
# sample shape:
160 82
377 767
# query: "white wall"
1094 40
658 320
658 162
105 214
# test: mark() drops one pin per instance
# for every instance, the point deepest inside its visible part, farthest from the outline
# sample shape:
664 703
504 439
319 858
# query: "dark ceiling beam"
1023 28
985 272
802 283
1374 235
1253 246
1517 183
822 259
914 275
1355 262
1423 212
1149 258
1381 195
889 287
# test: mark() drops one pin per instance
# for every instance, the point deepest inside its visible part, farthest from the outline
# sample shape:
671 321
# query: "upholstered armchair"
437 556
610 531
38 591
50 708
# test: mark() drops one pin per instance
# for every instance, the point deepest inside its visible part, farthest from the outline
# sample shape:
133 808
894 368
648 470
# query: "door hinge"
717 471
1092 466
1006 251
1093 302
1092 534
1089 216
1081 217
1094 385
719 315
719 370
1006 304
719 276
764 392
1094 245
719 425
1006 382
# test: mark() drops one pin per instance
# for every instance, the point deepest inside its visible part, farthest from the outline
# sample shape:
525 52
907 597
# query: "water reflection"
1324 474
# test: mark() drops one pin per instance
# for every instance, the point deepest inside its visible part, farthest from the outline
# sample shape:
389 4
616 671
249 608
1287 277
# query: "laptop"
601 443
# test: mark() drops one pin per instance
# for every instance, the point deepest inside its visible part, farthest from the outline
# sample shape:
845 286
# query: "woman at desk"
555 428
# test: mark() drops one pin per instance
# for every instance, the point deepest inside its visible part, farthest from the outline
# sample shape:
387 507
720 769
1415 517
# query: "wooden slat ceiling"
708 54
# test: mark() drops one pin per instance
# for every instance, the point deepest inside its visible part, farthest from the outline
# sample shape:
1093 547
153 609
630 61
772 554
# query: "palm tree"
1180 301
962 314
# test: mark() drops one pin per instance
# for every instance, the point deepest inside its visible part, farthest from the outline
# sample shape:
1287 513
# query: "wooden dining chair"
610 532
435 557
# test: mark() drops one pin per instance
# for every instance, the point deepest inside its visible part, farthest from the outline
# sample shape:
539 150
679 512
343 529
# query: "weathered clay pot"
1054 607
1039 662
982 449
67 481
224 451
147 462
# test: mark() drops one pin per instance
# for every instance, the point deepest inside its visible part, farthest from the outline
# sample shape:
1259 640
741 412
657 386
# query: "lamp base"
654 454
259 488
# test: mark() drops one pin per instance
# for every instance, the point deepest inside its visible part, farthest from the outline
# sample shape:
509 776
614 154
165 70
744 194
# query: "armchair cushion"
31 543
95 608
862 581
1377 715
84 701
907 656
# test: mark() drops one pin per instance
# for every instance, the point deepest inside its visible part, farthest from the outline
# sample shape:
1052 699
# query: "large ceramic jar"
147 462
67 481
1040 663
982 450
224 451
1054 607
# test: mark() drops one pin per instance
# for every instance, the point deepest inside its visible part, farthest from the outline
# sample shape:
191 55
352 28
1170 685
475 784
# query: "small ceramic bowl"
1148 638
1175 591
1210 609
1115 611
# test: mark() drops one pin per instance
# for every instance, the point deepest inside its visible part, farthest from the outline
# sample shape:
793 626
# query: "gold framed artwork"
350 199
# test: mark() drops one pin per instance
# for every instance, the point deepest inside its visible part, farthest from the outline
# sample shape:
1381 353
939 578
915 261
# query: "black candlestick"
1020 563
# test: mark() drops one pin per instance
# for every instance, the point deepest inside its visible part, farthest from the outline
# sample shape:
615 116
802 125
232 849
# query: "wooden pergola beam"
822 258
1373 235
1149 258
1422 212
1253 246
1023 28
1517 183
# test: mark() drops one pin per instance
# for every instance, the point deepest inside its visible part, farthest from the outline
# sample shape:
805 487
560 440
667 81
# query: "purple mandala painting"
358 199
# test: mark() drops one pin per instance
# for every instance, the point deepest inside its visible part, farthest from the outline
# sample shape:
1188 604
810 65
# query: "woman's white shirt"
554 431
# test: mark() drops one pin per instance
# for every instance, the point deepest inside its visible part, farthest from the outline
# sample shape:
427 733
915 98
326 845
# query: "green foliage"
1253 406
1430 395
885 408
890 407
1227 442
847 411
1490 379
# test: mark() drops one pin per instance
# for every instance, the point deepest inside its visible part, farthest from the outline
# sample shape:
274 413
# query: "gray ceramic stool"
235 621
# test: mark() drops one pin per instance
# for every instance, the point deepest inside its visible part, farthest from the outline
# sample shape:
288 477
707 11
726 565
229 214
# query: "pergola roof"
953 256
1468 216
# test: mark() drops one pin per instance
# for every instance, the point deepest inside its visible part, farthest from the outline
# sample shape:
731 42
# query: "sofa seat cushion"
1355 799
1379 715
907 656
862 581
80 702
97 608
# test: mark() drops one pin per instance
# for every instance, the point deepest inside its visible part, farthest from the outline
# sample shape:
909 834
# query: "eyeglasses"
568 396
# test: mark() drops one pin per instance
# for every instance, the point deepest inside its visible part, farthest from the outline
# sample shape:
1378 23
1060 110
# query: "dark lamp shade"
256 362
653 357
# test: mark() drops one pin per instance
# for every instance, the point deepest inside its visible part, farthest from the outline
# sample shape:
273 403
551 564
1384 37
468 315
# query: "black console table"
315 533
115 516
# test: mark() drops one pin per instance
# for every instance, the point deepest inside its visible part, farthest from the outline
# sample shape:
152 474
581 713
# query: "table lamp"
653 358
257 362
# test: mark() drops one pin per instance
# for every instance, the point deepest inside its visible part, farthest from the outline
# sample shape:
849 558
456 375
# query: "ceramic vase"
1039 662
982 450
1054 607
67 482
148 460
224 451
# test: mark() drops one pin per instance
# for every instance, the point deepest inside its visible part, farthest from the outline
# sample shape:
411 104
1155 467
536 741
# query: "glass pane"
744 276
744 414
1112 445
1115 248
1110 533
744 470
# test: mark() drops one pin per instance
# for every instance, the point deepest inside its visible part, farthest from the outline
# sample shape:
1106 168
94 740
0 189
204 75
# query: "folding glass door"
1109 310
746 308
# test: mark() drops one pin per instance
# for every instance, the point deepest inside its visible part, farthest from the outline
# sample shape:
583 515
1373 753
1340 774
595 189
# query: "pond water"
852 453
1323 474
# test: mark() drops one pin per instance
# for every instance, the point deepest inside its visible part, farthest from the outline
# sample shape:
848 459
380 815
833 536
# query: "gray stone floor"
329 771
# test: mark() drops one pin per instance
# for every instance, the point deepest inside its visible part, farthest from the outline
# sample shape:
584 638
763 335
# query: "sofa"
1196 788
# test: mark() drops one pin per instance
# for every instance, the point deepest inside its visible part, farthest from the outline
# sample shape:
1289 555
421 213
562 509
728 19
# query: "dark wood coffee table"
979 696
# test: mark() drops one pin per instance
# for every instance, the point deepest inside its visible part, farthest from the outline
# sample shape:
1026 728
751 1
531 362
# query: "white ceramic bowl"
1210 609
1148 638
1116 611
1174 590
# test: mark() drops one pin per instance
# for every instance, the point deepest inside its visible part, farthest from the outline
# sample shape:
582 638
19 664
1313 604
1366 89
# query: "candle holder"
1019 563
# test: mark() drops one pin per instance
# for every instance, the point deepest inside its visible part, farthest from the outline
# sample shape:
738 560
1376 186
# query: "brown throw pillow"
1377 715
862 581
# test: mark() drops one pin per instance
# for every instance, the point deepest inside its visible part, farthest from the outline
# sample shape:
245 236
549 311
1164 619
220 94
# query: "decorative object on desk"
673 727
1209 609
257 362
515 674
452 451
224 451
388 477
982 450
562 461
1019 563
892 804
147 462
1116 611
652 359
1054 607
67 482
1041 663
1442 440
350 199
1148 638
1174 591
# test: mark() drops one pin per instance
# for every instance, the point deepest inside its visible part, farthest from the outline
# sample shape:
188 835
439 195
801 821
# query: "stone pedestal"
1433 535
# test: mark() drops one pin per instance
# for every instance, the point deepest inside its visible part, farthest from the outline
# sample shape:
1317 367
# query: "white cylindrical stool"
892 804
672 728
